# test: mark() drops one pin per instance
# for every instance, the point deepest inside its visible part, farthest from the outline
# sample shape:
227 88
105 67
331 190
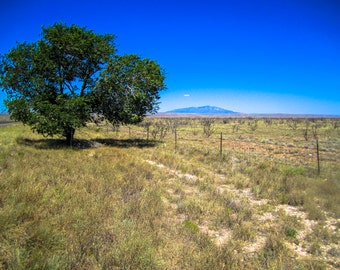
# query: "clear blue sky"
270 56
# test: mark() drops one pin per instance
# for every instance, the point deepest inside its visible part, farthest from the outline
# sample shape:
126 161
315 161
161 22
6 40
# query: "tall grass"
103 205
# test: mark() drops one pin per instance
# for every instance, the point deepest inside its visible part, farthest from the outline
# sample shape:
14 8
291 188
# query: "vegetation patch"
128 201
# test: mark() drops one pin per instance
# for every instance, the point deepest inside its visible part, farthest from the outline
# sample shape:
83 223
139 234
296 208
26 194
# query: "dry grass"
120 201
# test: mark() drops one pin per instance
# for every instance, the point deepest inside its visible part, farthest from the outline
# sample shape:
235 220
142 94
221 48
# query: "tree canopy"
58 83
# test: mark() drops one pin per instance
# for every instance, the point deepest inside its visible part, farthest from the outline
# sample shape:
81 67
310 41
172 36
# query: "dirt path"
266 217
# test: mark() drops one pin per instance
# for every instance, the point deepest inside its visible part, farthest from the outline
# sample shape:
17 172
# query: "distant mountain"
210 110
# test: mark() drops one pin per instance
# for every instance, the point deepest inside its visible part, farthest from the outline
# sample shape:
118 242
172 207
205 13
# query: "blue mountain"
210 110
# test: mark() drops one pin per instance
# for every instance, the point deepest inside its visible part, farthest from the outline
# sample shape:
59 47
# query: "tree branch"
69 87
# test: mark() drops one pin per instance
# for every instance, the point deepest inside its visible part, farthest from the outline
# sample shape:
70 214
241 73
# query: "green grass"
119 201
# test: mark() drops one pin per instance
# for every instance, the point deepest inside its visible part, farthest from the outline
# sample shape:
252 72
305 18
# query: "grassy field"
171 194
4 119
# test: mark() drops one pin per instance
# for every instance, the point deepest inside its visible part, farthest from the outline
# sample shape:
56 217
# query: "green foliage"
191 227
290 232
128 89
56 84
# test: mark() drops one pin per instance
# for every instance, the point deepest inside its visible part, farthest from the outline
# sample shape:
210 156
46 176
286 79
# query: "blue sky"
269 56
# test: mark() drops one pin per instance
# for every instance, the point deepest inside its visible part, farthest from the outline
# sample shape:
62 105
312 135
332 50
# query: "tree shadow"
126 143
86 144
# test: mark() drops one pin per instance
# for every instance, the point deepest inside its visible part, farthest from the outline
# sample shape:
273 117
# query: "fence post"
221 145
317 155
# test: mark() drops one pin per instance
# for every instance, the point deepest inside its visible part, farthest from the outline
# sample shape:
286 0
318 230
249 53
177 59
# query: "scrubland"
173 193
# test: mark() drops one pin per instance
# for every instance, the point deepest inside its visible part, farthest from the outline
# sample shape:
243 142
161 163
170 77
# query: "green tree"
127 89
57 84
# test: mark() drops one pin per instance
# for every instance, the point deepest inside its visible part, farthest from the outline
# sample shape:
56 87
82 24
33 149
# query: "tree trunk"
69 134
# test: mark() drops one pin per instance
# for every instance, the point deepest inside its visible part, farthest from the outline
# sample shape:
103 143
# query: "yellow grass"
119 201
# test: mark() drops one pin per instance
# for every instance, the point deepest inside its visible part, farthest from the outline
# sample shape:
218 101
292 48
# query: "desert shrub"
208 128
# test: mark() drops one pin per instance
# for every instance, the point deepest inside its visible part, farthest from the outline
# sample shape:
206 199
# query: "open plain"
173 193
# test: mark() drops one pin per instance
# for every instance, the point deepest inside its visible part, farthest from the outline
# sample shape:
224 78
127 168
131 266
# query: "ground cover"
166 195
